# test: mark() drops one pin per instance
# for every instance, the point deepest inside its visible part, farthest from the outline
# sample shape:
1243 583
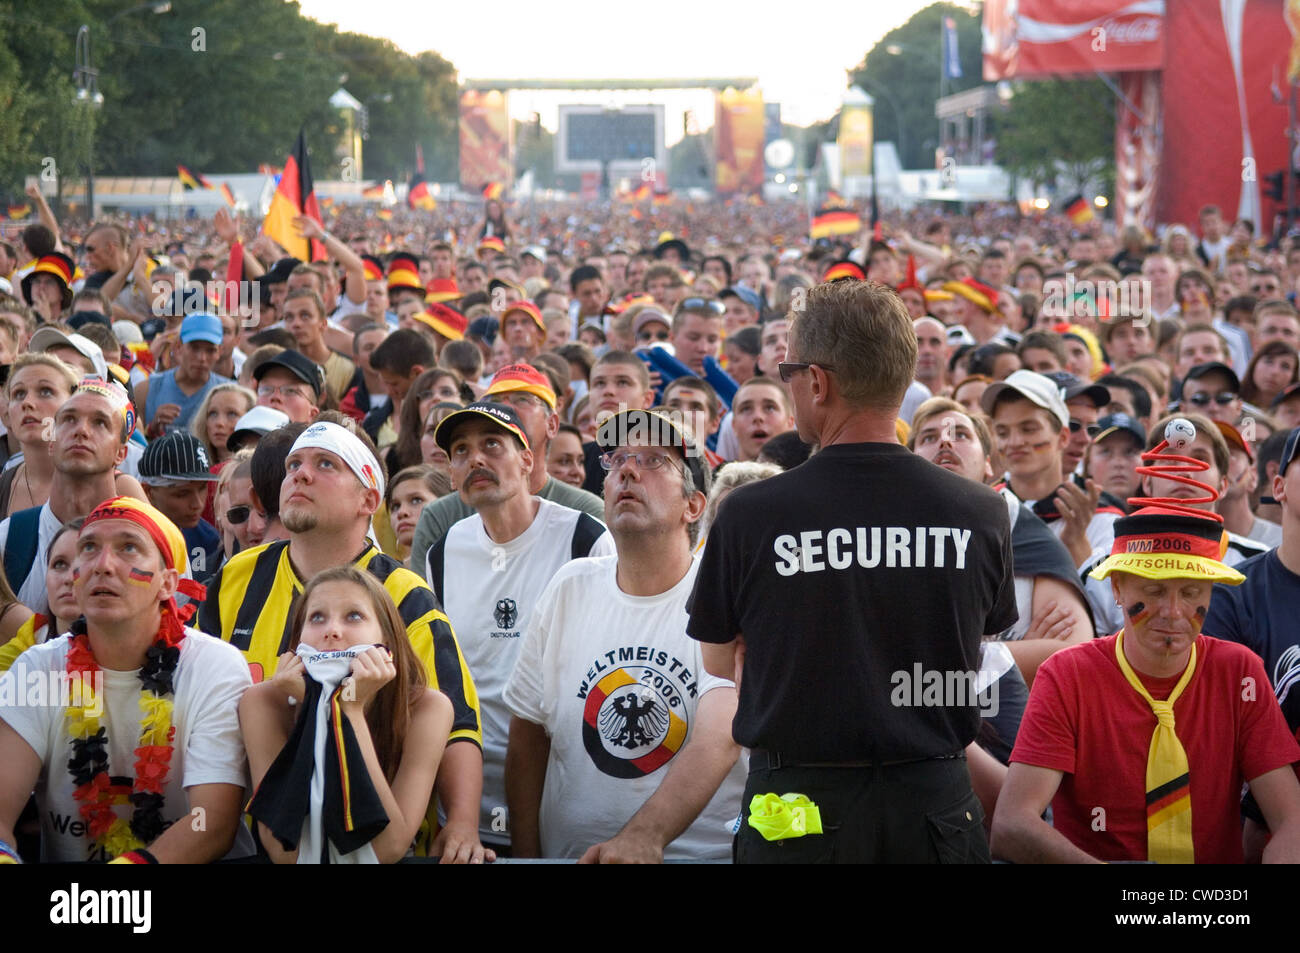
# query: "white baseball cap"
1033 387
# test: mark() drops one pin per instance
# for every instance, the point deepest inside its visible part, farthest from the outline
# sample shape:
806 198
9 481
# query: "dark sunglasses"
1203 399
238 514
652 336
1092 429
703 304
787 369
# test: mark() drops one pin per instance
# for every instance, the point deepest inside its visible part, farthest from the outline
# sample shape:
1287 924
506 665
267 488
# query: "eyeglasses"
645 460
287 390
787 369
703 304
1223 399
1092 429
652 336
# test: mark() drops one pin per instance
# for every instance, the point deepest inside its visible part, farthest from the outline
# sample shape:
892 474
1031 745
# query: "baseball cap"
1289 451
258 422
201 326
47 337
1291 390
649 315
1235 439
500 414
744 294
1200 370
958 336
522 377
660 431
79 319
535 251
280 271
485 328
447 321
175 456
1071 387
1034 387
1113 423
301 366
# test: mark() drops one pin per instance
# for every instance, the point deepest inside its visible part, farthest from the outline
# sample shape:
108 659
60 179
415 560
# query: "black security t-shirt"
862 582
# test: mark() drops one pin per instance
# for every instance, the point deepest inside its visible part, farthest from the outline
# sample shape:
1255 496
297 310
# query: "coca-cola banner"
1047 37
1224 114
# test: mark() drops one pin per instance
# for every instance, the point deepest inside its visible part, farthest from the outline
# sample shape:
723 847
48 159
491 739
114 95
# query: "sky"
799 51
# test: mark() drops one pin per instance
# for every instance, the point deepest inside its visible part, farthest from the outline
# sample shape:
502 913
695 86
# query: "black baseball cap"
1200 370
280 271
661 431
1071 387
1291 390
301 366
500 414
175 456
1112 423
80 319
1289 451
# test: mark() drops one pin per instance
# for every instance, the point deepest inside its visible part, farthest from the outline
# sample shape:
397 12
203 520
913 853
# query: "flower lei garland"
89 762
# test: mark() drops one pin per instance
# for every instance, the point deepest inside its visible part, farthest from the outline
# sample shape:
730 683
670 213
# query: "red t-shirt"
1083 718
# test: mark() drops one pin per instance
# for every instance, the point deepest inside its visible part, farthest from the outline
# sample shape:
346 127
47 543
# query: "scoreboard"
592 136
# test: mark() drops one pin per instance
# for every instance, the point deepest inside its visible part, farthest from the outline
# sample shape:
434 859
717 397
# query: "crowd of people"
632 533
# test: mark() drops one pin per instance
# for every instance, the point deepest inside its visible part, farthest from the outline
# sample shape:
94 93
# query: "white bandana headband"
347 447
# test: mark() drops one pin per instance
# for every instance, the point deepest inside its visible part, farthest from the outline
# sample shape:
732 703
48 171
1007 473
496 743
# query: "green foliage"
1059 126
905 86
216 85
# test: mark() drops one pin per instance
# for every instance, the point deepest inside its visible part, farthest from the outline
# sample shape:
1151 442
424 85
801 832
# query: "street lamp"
87 79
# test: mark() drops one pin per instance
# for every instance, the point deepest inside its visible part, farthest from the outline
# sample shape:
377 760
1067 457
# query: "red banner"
1223 130
1051 37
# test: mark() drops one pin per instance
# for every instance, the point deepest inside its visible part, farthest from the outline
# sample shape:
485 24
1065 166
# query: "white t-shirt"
615 681
488 591
208 748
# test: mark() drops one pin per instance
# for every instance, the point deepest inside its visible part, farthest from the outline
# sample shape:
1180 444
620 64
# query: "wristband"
8 855
138 856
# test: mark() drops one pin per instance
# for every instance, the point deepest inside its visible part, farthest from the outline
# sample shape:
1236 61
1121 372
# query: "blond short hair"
863 330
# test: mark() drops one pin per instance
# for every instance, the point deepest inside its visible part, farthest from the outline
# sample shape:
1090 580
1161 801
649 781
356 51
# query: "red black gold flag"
828 222
493 190
295 196
419 196
191 180
1078 210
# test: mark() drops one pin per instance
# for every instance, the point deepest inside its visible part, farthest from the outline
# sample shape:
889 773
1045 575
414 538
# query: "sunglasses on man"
1223 398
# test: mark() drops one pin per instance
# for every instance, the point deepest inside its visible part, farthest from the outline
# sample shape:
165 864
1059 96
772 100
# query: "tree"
1057 126
910 79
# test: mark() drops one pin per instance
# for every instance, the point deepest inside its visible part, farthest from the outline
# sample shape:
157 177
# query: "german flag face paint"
1137 612
141 577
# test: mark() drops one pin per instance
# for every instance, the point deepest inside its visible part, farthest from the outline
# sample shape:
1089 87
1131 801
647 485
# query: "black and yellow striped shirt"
250 605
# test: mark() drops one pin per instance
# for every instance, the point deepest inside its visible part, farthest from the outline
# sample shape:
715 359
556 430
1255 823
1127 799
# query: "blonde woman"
216 417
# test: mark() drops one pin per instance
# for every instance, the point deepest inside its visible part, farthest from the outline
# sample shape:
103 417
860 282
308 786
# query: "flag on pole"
191 180
419 196
19 211
419 159
294 196
375 191
228 195
951 61
493 190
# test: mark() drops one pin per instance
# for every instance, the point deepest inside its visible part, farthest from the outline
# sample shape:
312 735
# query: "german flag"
191 180
661 198
829 221
228 195
294 196
385 213
419 196
19 211
642 192
375 191
493 190
1078 210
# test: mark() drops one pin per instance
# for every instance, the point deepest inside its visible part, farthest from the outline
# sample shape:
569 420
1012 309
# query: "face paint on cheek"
141 576
76 573
1137 612
1200 615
